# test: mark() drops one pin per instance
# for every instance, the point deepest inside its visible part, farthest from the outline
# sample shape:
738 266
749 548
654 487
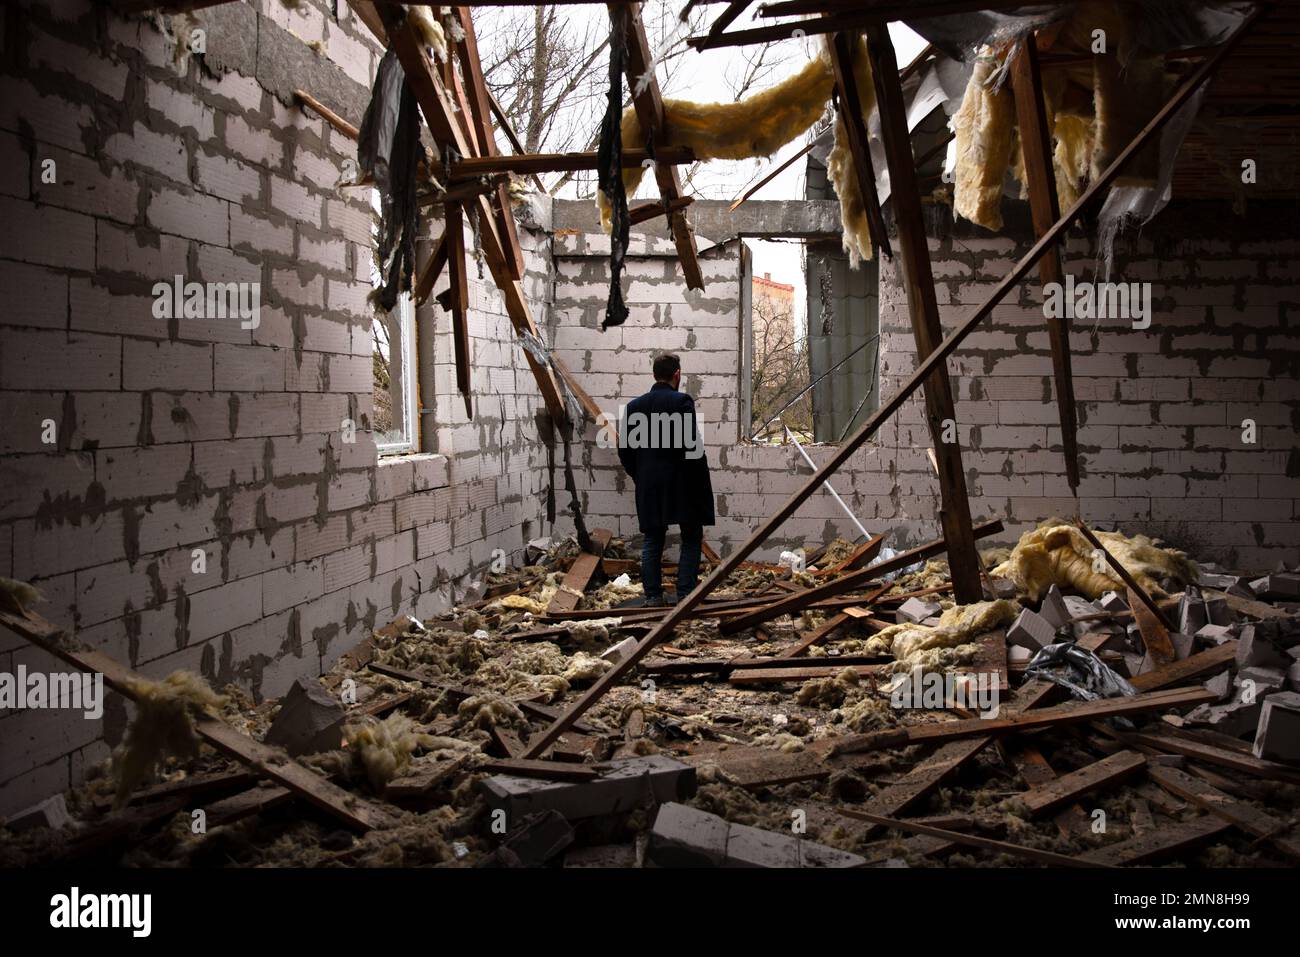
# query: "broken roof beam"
562 162
480 121
429 93
1072 712
580 573
686 606
1049 858
648 102
1036 144
923 308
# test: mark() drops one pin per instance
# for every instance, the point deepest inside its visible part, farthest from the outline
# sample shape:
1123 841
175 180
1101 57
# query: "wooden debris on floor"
727 732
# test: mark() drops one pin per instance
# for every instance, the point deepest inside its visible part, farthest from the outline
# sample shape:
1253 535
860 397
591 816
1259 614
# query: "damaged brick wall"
1161 410
175 439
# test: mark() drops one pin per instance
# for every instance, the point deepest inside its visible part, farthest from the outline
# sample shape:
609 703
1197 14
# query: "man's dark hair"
666 366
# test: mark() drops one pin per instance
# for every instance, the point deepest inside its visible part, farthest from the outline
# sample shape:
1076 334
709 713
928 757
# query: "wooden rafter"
923 308
649 106
686 606
436 108
1036 144
480 119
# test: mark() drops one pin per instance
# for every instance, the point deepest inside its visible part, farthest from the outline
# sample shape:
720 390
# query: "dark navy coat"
671 488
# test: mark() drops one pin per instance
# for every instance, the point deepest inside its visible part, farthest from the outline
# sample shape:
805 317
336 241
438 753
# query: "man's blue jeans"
688 564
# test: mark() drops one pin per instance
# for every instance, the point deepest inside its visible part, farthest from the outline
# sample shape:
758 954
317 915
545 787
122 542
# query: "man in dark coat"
660 446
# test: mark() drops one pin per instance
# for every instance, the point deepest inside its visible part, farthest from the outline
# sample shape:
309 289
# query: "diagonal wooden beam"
1036 144
459 301
722 572
480 120
923 308
798 601
649 106
842 49
267 761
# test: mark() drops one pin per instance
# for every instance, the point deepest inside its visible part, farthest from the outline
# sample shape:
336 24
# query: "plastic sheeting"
1079 671
389 150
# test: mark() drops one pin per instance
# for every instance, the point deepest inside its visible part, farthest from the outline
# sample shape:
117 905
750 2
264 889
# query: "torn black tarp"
609 161
1079 671
389 150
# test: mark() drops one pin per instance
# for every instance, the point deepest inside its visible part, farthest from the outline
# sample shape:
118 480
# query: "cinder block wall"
197 434
1160 410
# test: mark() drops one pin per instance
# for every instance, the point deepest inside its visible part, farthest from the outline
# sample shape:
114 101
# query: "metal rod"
812 385
827 485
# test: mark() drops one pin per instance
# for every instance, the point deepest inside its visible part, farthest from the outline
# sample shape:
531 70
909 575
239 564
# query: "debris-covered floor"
1048 726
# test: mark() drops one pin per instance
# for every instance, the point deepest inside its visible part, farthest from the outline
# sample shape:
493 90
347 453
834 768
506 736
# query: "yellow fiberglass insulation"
913 644
163 726
384 748
1072 156
1058 554
842 170
756 126
983 126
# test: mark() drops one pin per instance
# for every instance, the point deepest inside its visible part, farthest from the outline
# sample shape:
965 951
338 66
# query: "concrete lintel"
714 219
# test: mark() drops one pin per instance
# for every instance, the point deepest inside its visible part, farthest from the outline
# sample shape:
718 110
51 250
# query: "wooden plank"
923 309
475 166
863 554
842 48
691 666
1193 666
269 762
458 300
920 782
1063 790
790 604
1237 761
1049 858
547 770
771 676
1247 817
1247 606
1036 144
686 606
1069 713
1071 820
1163 842
575 581
827 627
649 106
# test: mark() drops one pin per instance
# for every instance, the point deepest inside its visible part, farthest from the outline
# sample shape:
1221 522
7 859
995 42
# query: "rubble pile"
813 718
